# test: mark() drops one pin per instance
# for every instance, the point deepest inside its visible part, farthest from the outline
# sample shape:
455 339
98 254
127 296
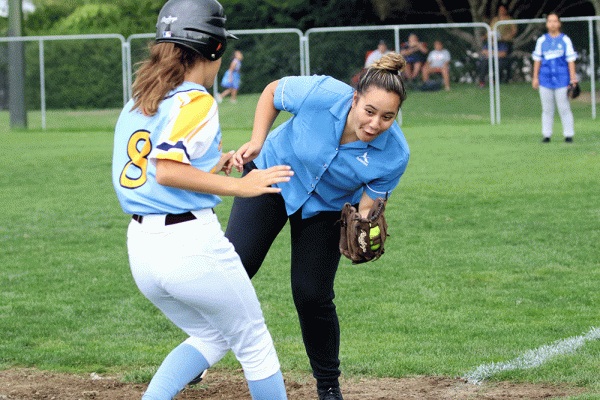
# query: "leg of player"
250 235
547 98
178 368
227 314
565 113
315 259
268 388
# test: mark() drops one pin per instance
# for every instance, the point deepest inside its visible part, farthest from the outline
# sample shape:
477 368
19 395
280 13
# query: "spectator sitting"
375 55
437 62
414 53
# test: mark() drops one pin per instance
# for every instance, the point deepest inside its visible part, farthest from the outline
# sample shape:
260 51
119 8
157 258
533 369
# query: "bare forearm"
265 114
572 73
184 176
536 69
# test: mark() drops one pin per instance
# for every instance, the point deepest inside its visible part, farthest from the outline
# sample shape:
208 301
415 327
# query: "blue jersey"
327 174
555 53
185 129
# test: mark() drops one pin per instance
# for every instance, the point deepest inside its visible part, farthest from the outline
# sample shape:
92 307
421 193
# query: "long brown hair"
385 74
162 72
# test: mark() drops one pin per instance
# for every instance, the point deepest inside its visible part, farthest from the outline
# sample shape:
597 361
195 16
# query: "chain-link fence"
70 72
341 52
269 54
95 72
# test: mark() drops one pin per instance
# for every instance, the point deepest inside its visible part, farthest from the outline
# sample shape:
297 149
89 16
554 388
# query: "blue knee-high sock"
271 388
182 365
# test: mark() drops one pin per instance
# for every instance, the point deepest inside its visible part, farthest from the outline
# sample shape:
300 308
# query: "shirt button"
324 165
312 185
316 178
336 149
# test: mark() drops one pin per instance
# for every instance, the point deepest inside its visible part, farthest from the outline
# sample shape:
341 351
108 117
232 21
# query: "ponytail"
162 72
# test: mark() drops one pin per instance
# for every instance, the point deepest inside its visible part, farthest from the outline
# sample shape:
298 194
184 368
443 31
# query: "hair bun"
392 62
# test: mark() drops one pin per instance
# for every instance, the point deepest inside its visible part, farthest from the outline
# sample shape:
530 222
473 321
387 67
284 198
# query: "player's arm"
572 72
535 81
184 176
264 117
365 204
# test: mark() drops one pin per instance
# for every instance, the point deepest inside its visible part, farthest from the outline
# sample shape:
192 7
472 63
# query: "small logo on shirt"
363 159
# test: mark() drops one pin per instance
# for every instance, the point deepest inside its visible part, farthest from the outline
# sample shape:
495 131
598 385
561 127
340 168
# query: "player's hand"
248 152
225 164
259 181
535 83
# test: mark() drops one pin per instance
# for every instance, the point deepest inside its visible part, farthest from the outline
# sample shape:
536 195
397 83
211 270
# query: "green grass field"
494 251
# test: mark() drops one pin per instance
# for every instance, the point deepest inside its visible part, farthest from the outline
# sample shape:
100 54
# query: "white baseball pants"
559 96
191 272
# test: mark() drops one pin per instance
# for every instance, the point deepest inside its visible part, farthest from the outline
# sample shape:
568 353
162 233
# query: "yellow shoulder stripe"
194 112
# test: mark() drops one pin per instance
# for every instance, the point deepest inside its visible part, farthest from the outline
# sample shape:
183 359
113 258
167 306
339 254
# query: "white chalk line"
532 358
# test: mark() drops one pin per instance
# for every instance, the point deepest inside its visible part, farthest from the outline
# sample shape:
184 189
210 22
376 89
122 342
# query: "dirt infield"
29 384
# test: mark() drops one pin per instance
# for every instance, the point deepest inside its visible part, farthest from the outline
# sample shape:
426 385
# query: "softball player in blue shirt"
553 71
343 146
167 151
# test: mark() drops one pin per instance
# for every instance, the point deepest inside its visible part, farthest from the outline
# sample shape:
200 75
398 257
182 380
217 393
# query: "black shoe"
569 139
546 140
198 379
330 394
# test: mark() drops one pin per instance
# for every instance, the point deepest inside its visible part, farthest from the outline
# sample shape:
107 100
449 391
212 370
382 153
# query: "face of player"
371 114
438 45
553 24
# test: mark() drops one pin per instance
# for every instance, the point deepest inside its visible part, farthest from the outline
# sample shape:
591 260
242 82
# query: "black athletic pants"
253 225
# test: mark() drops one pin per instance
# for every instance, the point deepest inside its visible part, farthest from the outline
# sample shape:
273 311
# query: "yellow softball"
374 232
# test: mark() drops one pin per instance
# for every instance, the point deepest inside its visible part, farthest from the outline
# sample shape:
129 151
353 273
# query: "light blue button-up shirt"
327 174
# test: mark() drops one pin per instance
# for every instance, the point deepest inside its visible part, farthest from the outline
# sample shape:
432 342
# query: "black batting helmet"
196 24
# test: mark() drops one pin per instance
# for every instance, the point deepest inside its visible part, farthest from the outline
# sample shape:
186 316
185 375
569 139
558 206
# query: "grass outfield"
494 251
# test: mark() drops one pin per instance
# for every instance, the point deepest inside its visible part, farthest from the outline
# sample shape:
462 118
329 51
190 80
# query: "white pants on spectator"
559 97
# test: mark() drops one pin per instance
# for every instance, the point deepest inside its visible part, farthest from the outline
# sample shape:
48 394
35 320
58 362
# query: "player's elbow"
164 173
161 177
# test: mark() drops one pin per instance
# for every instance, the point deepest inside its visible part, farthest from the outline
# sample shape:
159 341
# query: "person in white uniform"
166 160
553 71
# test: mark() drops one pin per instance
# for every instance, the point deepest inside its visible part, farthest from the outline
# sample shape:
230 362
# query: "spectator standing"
553 71
437 63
